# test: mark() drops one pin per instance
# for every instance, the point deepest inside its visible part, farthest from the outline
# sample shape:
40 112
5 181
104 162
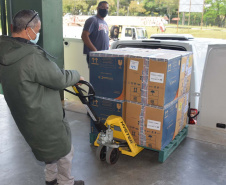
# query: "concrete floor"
192 163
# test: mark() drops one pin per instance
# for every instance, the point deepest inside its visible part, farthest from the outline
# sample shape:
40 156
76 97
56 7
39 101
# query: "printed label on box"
157 77
133 65
155 125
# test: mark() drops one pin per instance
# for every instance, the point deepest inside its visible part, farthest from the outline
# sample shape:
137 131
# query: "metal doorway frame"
3 17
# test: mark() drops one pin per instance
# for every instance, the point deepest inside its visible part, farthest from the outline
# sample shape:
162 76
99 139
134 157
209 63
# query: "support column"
3 17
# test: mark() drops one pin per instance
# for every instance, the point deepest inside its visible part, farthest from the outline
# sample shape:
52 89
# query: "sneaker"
53 182
79 182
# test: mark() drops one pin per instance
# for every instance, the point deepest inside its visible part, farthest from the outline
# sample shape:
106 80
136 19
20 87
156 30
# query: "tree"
223 12
136 8
171 7
112 7
75 7
215 12
161 7
150 7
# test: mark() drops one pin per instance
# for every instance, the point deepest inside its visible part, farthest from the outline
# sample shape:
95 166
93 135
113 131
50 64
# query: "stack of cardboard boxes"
147 88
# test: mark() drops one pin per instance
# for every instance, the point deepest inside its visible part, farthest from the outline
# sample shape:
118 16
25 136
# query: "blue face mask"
36 39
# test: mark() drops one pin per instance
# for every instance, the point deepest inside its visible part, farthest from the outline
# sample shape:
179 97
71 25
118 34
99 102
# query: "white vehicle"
130 33
181 42
127 33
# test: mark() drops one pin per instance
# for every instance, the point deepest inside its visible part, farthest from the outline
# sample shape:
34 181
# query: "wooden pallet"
1 91
92 137
164 153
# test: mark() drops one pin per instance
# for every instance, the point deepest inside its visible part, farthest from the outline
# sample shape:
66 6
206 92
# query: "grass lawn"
205 32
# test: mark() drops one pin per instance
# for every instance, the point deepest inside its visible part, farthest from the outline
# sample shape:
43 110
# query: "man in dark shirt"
95 32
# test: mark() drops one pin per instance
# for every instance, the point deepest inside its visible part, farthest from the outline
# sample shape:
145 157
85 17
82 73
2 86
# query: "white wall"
74 59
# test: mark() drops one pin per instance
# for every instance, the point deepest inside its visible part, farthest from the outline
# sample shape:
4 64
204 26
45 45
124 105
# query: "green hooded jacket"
31 84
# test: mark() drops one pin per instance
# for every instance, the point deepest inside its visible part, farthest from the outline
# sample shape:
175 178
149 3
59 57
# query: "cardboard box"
107 75
180 115
188 74
137 75
134 79
181 89
104 107
164 76
182 110
160 125
132 120
108 71
185 111
153 77
185 71
156 125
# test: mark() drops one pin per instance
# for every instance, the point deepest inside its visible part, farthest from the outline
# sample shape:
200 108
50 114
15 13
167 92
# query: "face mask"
36 39
103 12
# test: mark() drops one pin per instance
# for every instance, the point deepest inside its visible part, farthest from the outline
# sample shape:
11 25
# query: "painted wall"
75 60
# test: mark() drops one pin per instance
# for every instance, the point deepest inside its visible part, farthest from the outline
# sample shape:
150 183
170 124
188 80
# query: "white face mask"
36 38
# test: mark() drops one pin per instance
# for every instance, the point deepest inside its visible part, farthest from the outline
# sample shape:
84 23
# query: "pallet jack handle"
85 99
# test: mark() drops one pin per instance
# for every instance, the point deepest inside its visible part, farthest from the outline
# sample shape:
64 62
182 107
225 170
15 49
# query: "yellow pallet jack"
114 136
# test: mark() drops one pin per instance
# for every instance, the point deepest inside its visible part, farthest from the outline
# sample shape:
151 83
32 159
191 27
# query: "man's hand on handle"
81 78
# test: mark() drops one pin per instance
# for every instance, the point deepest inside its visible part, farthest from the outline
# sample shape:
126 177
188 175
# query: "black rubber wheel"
112 155
101 153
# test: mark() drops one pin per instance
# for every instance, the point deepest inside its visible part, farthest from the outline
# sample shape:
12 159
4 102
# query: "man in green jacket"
31 84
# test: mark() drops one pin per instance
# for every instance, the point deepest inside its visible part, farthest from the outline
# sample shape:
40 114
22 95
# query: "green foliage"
136 8
112 7
214 14
161 7
77 7
123 11
150 7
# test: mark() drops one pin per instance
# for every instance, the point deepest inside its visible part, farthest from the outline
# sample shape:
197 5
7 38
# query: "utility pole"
118 7
183 19
189 14
202 14
178 14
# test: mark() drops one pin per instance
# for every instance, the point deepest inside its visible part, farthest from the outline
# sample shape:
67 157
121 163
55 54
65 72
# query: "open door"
212 103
